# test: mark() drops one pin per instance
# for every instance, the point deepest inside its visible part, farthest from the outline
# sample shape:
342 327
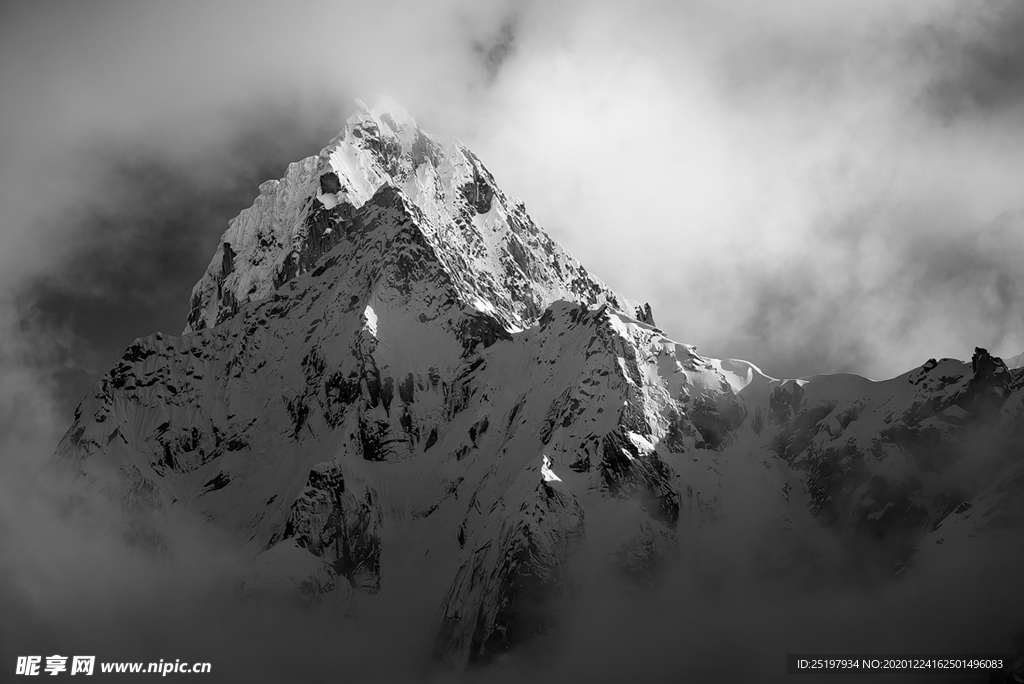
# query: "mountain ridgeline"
391 377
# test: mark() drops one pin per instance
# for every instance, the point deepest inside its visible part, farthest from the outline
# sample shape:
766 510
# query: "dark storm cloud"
979 61
127 265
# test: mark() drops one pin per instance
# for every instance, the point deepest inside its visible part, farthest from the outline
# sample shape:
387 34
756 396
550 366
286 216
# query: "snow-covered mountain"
391 377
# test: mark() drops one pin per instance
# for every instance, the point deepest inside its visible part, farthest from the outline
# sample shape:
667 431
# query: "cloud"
979 62
771 179
497 51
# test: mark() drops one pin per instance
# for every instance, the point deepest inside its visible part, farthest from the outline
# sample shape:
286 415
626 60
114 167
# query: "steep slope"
391 377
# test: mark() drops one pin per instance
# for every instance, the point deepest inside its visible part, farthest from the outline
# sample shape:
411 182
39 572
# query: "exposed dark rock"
479 192
219 481
431 439
228 262
338 525
626 472
988 389
425 150
644 314
330 183
480 329
373 437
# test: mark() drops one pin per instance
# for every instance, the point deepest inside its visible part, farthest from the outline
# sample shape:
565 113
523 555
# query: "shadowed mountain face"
391 377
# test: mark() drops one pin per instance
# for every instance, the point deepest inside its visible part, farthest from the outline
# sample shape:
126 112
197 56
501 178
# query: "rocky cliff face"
391 377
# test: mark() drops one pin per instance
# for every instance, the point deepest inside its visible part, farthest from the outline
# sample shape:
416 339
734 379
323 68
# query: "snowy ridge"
391 378
485 239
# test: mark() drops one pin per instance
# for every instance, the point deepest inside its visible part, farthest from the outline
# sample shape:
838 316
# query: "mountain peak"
500 260
389 111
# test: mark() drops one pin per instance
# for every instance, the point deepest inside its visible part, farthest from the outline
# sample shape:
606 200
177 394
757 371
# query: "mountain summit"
482 240
392 378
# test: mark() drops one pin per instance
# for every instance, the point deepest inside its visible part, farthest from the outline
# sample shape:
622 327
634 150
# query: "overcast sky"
814 186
